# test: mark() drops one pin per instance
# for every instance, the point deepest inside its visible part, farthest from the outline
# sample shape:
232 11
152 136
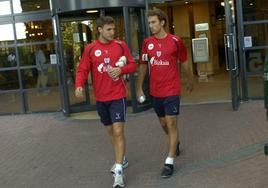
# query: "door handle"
234 53
229 44
226 46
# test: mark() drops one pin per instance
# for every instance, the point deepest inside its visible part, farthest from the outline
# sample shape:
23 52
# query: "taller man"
164 53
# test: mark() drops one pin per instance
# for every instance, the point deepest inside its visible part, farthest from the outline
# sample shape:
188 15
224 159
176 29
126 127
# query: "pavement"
221 148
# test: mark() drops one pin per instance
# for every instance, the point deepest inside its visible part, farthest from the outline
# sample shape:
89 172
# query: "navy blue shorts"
112 111
166 105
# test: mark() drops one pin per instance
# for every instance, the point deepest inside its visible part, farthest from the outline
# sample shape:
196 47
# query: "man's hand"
190 86
114 72
79 92
139 93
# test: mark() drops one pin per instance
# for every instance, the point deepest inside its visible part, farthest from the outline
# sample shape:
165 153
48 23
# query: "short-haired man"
100 58
164 53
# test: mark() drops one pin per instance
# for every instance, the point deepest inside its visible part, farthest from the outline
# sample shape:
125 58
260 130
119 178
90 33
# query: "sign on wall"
201 27
248 41
200 50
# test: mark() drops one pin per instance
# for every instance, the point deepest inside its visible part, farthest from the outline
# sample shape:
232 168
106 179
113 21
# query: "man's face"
154 24
107 31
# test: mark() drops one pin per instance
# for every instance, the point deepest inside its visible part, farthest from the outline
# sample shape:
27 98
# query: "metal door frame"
231 52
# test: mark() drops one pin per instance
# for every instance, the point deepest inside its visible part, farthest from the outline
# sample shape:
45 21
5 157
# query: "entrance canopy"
71 5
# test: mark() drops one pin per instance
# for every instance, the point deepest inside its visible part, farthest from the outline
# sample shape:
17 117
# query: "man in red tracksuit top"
163 53
100 58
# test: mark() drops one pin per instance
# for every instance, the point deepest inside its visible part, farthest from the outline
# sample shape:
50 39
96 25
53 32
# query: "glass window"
40 79
45 74
255 10
36 54
255 60
44 100
20 6
9 80
258 33
34 31
7 34
10 103
5 7
255 86
7 57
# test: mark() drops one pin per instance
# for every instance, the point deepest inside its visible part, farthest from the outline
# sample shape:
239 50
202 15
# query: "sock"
118 168
169 160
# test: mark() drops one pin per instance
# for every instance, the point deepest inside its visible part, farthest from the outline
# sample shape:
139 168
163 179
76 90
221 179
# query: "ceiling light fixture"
92 11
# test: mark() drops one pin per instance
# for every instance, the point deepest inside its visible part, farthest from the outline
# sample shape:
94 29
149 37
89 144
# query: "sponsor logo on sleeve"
97 53
150 46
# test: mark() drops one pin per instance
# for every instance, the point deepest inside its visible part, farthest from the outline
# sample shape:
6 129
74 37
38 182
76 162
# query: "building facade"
41 43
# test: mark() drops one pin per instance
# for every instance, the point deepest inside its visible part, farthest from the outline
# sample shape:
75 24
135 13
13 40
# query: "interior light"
251 4
222 4
186 2
92 11
38 6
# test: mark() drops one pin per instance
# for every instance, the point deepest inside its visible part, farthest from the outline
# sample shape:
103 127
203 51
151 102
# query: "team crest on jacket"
158 53
97 53
150 46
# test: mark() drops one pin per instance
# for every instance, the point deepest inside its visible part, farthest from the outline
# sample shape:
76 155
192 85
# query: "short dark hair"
159 13
103 20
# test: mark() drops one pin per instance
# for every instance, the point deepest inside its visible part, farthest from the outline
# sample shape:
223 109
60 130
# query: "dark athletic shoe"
167 171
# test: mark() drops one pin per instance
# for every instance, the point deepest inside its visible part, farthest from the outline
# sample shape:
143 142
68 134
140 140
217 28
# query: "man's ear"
99 29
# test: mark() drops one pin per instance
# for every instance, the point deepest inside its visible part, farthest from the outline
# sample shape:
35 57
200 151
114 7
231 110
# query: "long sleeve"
83 68
131 64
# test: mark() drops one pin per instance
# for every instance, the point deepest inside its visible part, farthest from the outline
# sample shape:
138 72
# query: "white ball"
121 62
142 99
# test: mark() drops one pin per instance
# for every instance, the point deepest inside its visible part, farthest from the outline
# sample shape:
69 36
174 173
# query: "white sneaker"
119 180
124 165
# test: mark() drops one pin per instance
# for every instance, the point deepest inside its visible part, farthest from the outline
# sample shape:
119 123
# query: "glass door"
231 51
137 32
76 34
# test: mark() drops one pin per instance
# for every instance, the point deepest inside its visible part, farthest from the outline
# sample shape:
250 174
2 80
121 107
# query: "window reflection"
28 54
10 103
34 31
8 57
9 80
258 33
45 74
255 60
5 8
255 86
20 6
255 10
46 100
7 34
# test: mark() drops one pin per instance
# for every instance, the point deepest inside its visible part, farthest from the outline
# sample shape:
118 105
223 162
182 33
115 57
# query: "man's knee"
171 121
118 130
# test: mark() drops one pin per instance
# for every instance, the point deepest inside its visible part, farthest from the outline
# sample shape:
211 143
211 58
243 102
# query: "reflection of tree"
119 27
73 34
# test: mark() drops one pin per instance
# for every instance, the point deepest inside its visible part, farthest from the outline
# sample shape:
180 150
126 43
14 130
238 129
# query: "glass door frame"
69 108
231 52
136 107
